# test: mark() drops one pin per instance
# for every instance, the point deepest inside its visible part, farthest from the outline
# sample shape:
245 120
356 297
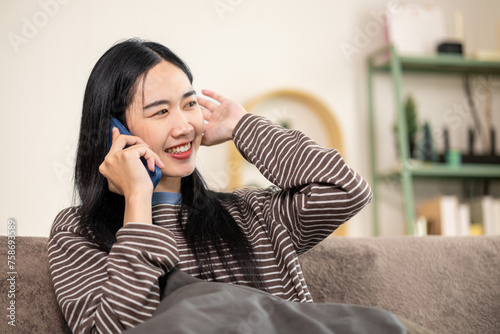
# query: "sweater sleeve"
316 191
108 293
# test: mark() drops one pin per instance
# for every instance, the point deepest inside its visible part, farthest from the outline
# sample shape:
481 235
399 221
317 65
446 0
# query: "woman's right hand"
124 169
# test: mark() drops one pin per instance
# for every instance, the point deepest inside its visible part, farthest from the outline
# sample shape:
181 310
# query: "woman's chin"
178 172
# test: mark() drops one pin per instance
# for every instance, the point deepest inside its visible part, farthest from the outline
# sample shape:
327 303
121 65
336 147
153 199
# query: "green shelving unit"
387 60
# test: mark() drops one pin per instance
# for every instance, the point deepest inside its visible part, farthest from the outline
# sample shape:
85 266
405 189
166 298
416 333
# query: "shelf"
435 64
435 170
387 61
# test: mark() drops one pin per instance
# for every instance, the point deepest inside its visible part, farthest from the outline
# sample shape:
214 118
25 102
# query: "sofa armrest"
36 308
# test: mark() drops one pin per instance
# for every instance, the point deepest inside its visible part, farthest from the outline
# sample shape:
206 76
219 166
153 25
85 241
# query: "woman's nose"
181 125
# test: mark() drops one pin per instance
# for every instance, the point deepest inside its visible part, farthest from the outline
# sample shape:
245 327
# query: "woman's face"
166 115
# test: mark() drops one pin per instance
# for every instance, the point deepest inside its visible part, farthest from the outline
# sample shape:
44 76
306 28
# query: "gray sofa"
446 284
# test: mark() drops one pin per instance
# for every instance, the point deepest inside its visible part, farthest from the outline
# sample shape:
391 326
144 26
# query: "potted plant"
426 151
411 124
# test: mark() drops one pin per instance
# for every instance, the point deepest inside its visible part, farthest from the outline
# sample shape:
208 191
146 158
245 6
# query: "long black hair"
109 91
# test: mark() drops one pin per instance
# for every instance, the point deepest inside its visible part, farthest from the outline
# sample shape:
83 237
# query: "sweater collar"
164 197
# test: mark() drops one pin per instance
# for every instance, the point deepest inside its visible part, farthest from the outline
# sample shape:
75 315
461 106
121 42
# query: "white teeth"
179 149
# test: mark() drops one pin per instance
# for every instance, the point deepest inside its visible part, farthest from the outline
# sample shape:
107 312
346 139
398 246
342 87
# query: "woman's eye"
192 104
161 112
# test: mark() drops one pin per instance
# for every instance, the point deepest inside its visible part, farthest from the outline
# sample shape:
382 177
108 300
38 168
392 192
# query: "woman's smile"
180 152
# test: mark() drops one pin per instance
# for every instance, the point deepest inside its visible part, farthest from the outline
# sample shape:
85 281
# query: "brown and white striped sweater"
316 192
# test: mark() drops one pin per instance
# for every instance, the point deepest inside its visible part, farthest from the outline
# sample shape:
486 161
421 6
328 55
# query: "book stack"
445 215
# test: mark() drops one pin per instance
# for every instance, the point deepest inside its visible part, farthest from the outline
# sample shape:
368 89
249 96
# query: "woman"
109 255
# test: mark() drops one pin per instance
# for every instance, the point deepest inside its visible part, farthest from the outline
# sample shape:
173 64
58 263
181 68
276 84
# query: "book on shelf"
464 226
485 213
445 215
496 215
442 215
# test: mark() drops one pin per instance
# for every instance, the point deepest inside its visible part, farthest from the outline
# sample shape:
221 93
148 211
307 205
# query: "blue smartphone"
156 175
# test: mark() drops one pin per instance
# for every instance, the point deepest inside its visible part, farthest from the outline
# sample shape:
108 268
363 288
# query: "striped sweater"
314 192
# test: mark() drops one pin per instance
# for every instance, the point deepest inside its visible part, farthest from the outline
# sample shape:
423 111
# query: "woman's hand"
124 169
222 118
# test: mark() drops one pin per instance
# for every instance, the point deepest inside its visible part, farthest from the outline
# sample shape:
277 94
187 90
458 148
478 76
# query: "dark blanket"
191 305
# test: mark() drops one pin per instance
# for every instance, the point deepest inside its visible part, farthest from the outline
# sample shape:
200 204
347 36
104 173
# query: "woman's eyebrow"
158 102
188 94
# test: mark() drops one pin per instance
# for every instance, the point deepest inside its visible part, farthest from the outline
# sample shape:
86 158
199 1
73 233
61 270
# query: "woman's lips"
181 151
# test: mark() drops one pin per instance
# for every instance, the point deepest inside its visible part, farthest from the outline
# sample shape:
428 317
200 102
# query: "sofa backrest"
446 284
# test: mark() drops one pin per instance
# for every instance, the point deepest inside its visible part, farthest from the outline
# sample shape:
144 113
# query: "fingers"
207 104
113 188
119 141
129 143
213 95
152 159
206 114
115 133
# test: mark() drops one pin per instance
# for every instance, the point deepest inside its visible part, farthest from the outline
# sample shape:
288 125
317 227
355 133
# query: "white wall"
256 46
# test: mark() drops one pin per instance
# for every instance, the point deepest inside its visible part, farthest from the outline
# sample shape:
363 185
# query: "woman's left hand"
222 118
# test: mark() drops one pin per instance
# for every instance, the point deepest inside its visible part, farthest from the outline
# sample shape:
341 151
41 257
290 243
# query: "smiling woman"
111 255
